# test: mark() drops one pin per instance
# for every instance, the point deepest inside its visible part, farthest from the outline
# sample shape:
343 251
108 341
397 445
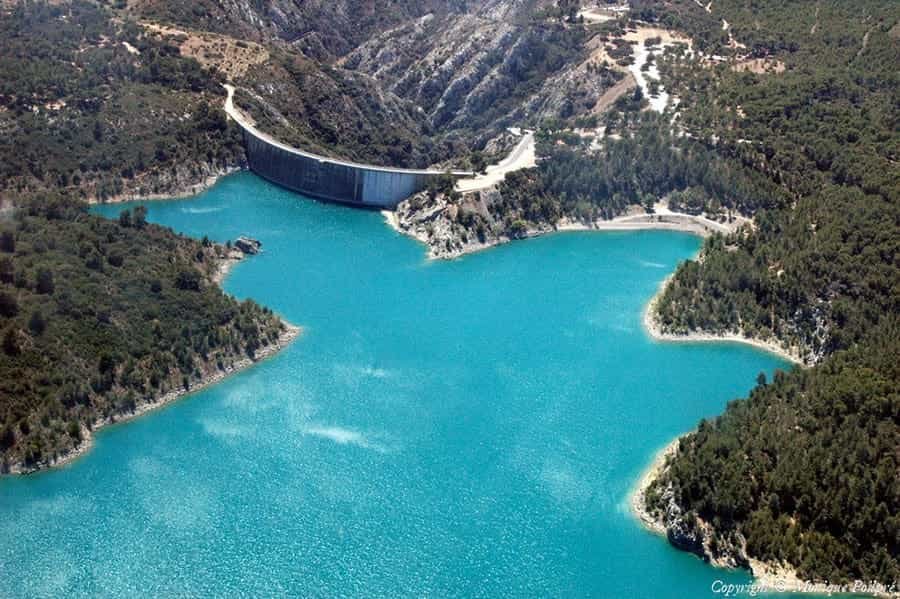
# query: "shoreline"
178 193
287 336
226 263
651 326
767 577
223 268
639 491
662 219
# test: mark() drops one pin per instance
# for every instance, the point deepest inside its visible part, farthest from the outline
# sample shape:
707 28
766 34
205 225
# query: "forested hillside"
100 102
646 164
820 272
806 472
98 317
94 106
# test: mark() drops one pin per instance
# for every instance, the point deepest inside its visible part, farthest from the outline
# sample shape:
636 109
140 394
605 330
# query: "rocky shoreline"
433 223
179 190
639 493
433 226
767 577
693 536
225 264
87 440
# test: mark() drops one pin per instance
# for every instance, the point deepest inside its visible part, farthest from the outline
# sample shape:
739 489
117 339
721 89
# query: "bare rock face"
451 227
689 532
337 112
495 66
682 531
323 29
248 246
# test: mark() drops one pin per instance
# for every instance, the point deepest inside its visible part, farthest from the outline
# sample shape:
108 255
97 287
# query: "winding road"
522 156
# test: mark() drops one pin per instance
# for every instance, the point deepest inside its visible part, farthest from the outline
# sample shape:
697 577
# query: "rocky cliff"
502 65
407 83
322 29
335 112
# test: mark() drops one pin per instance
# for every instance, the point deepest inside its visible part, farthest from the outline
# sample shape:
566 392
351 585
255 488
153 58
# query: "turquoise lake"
463 428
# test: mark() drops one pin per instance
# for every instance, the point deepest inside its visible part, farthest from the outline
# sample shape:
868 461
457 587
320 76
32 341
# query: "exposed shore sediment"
177 192
426 227
768 577
226 263
653 328
639 493
87 440
224 266
432 226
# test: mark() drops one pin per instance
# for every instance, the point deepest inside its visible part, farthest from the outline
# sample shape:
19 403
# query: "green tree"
140 217
37 323
188 280
7 242
44 284
9 307
11 342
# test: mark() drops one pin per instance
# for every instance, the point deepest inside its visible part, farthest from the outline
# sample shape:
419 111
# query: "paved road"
522 156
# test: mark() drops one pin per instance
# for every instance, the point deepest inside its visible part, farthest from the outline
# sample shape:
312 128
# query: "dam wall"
328 178
332 180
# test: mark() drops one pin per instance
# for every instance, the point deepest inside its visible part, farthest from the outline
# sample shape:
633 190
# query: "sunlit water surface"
462 428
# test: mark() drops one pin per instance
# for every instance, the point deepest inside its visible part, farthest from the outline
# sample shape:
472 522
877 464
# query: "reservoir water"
462 428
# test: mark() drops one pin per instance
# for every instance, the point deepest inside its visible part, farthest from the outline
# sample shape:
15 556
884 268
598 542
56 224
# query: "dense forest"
806 469
807 95
100 316
820 272
645 164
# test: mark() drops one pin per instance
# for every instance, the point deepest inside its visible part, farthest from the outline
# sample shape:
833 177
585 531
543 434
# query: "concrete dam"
328 178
